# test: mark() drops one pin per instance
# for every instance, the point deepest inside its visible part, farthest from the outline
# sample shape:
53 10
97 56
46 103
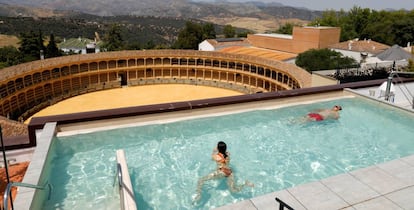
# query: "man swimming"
324 114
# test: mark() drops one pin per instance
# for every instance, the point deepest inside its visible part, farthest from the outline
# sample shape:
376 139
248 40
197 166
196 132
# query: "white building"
368 53
217 44
79 46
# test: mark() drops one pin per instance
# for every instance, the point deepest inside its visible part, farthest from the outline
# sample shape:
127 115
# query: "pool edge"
25 196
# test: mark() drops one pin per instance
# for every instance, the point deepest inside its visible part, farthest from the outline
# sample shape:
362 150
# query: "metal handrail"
283 205
20 184
120 185
389 82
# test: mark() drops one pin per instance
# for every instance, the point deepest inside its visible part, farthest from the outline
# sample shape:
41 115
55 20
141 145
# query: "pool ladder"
126 192
120 185
20 184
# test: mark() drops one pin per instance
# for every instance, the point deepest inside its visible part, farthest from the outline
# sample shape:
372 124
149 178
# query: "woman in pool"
222 158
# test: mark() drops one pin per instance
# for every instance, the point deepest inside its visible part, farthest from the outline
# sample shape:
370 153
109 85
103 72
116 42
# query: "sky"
345 4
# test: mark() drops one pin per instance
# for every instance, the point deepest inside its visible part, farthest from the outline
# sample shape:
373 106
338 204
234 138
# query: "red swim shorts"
315 116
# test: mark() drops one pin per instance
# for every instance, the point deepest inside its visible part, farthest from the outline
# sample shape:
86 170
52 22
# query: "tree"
320 59
189 37
244 33
287 28
229 31
30 46
133 46
51 49
113 40
388 27
329 18
208 31
149 45
40 43
9 56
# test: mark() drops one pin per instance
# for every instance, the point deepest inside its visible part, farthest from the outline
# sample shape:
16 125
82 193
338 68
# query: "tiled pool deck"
388 185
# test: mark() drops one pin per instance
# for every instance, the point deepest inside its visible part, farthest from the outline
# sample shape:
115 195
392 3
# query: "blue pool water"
270 148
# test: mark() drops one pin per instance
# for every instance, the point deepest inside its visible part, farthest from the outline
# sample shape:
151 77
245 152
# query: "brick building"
301 40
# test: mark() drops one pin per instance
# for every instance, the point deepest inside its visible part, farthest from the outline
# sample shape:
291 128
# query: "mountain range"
150 20
169 8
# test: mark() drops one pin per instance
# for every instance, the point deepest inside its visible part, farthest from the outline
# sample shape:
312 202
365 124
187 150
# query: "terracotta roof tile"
260 52
368 46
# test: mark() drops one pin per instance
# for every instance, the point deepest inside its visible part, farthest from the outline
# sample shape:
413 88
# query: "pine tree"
52 50
29 46
40 43
113 40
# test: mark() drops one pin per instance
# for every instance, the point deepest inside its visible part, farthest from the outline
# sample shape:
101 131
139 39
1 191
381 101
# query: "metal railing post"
120 184
6 167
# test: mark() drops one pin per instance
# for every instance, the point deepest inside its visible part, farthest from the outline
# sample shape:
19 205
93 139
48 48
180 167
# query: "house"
360 50
79 46
371 54
218 44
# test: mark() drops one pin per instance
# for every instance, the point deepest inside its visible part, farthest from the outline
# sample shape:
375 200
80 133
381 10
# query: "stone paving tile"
408 159
403 198
357 190
349 188
268 201
399 169
378 179
348 208
377 204
315 195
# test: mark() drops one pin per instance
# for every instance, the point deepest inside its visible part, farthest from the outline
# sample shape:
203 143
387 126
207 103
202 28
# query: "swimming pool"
268 147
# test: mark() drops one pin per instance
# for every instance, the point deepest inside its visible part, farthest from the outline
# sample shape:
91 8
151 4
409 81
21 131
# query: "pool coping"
24 197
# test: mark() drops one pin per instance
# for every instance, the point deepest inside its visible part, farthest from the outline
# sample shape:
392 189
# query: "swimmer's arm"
214 154
317 110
